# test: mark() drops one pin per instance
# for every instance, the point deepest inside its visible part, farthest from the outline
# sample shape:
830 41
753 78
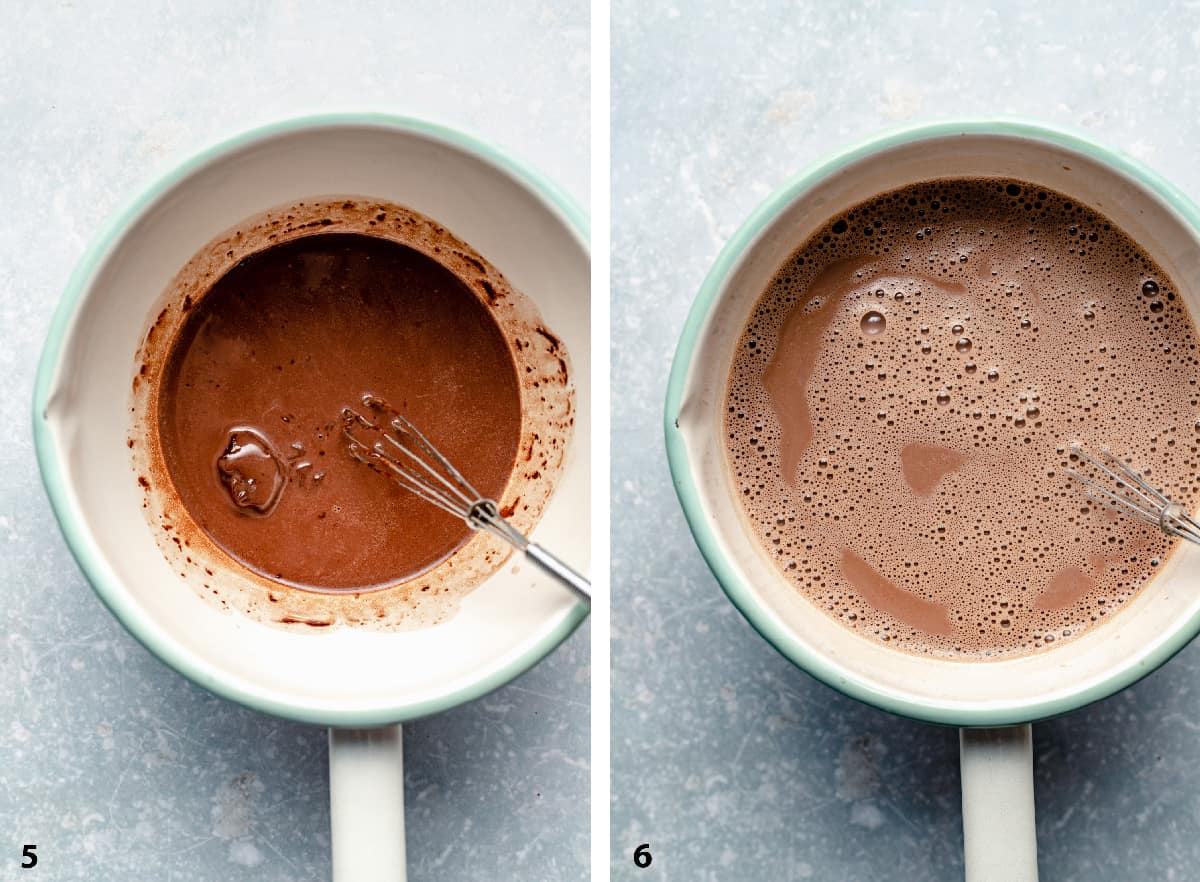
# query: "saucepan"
360 683
992 702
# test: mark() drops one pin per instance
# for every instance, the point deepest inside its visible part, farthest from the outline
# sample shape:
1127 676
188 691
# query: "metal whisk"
400 451
1133 495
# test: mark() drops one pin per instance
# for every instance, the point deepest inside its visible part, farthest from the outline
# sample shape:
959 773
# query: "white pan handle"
999 834
366 804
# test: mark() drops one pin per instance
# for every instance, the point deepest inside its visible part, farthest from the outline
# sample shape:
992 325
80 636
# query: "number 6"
642 857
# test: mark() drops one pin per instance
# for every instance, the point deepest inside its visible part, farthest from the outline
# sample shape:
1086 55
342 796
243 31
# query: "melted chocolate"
255 383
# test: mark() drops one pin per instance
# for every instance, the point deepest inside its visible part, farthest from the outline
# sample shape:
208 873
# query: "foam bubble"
873 323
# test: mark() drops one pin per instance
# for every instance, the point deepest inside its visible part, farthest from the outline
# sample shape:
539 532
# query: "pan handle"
366 804
999 834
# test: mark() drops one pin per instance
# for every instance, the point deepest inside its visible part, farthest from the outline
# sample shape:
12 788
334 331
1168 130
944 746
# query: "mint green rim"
78 535
741 594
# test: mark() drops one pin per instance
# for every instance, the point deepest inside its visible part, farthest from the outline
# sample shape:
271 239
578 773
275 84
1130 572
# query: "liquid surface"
249 414
903 400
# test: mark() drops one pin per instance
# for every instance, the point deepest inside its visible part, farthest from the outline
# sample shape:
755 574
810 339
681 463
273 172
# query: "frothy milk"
903 400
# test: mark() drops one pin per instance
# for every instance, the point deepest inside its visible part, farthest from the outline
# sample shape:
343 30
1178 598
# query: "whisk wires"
395 447
1131 494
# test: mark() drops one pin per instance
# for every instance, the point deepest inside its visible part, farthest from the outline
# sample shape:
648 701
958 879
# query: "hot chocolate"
903 401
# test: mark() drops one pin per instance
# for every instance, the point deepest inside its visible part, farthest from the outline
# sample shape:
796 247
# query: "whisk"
1133 495
400 451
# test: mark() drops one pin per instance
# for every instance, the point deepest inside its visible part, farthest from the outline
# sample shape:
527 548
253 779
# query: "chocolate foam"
903 400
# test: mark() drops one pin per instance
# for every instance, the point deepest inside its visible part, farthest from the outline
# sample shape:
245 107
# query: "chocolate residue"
292 620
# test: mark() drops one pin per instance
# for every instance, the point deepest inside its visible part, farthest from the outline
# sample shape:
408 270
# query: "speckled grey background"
116 767
730 762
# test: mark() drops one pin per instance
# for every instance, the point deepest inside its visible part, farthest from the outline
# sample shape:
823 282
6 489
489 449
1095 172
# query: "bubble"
993 375
963 344
943 398
873 323
1149 287
970 367
1026 324
1156 306
1089 314
1033 411
957 329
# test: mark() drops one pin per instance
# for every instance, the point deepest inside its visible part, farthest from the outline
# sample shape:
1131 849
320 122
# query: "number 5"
642 857
29 858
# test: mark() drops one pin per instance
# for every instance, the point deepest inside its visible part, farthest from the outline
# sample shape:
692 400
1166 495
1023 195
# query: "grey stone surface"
730 762
116 767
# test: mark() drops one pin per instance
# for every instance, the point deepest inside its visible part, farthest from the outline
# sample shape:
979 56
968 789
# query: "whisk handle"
552 566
